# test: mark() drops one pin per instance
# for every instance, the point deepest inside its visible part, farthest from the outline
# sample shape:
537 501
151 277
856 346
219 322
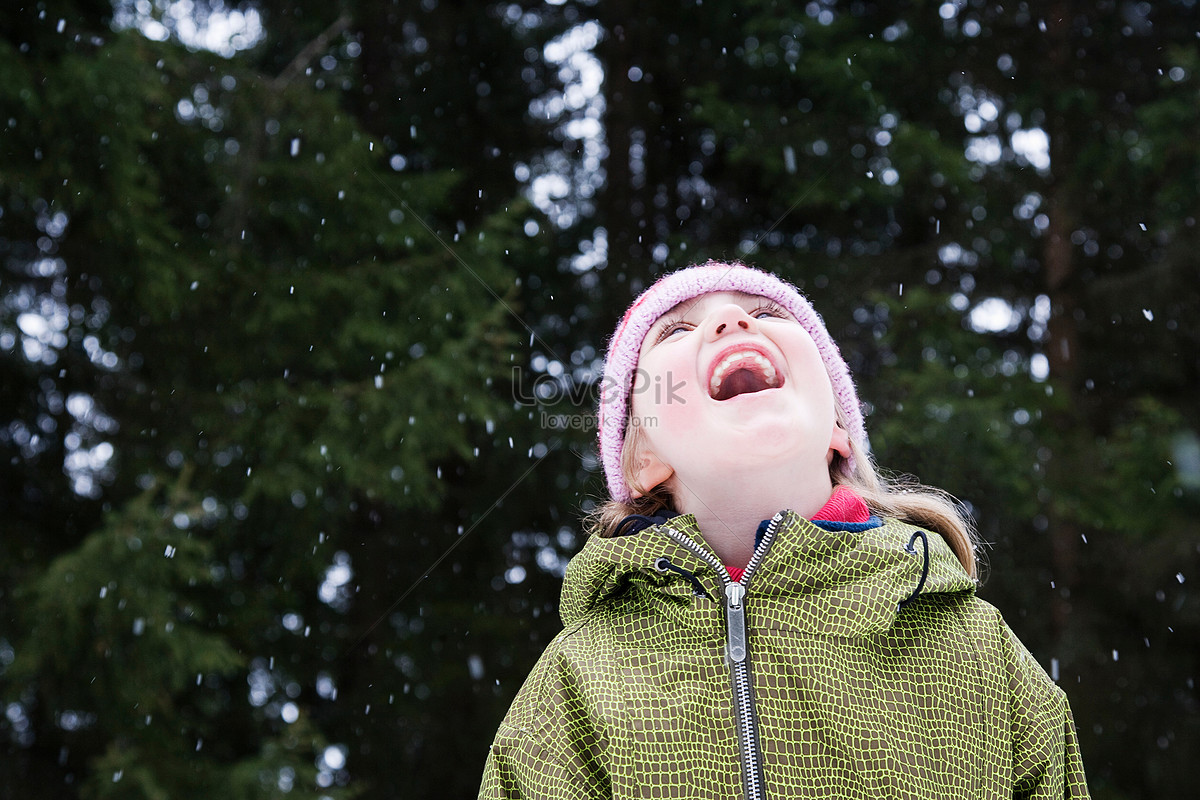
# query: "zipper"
737 654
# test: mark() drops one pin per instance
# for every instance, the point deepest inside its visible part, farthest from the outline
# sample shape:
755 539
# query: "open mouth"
743 371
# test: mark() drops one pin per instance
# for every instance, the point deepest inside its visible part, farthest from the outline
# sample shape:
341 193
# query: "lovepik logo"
544 389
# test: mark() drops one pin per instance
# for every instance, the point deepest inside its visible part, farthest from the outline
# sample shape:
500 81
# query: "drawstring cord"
912 550
664 565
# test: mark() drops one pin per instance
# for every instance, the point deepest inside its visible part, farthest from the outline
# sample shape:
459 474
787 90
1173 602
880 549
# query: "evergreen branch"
237 212
445 554
320 44
453 254
799 200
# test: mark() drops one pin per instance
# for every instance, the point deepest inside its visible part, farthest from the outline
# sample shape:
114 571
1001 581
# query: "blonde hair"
901 497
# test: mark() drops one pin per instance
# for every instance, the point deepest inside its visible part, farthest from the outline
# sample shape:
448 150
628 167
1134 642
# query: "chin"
768 438
783 417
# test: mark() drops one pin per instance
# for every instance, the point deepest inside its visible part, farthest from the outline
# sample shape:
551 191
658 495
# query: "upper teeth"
740 356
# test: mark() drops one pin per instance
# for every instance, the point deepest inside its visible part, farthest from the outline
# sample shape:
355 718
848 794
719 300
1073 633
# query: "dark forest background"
302 307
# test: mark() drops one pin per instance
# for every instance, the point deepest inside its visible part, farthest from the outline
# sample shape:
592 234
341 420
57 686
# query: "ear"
649 471
839 443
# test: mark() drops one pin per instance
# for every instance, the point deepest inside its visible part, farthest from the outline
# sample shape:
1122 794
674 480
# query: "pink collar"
844 505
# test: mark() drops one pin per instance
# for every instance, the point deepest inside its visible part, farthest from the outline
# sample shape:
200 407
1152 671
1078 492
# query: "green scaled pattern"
854 699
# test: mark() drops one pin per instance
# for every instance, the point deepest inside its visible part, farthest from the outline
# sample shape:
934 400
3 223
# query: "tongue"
741 381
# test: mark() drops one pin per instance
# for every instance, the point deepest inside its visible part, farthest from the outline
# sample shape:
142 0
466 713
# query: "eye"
671 327
770 310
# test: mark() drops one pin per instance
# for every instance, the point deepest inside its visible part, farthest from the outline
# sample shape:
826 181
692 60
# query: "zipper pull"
735 622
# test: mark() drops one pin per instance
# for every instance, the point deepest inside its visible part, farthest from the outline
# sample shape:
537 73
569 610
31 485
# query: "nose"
729 318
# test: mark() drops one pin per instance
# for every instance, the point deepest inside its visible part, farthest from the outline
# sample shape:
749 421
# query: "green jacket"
869 669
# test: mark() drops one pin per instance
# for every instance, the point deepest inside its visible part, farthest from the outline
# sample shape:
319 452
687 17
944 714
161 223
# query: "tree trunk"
617 212
1062 346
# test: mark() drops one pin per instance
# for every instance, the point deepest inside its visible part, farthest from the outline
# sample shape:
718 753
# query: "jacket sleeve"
1046 759
519 766
549 746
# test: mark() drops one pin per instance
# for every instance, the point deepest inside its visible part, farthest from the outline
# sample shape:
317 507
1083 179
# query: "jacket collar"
839 582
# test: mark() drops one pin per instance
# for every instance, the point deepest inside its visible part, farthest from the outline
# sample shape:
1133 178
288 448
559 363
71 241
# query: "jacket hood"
840 582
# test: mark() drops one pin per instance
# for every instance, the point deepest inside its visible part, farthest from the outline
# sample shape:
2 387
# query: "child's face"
729 379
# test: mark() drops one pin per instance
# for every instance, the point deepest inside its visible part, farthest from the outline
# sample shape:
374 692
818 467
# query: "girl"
758 614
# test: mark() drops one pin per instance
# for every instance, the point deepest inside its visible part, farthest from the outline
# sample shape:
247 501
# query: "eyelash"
772 308
669 327
672 324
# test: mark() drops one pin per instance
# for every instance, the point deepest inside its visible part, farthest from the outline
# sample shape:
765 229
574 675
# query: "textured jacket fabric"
853 697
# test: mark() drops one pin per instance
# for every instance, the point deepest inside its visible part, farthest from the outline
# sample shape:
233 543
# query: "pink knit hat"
668 292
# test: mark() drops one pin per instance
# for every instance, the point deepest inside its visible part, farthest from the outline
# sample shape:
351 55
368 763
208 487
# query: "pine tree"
277 368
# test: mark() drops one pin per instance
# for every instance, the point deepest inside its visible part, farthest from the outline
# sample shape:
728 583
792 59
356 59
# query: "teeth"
740 356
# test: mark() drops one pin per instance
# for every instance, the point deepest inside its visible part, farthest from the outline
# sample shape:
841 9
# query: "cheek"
669 429
665 384
662 402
